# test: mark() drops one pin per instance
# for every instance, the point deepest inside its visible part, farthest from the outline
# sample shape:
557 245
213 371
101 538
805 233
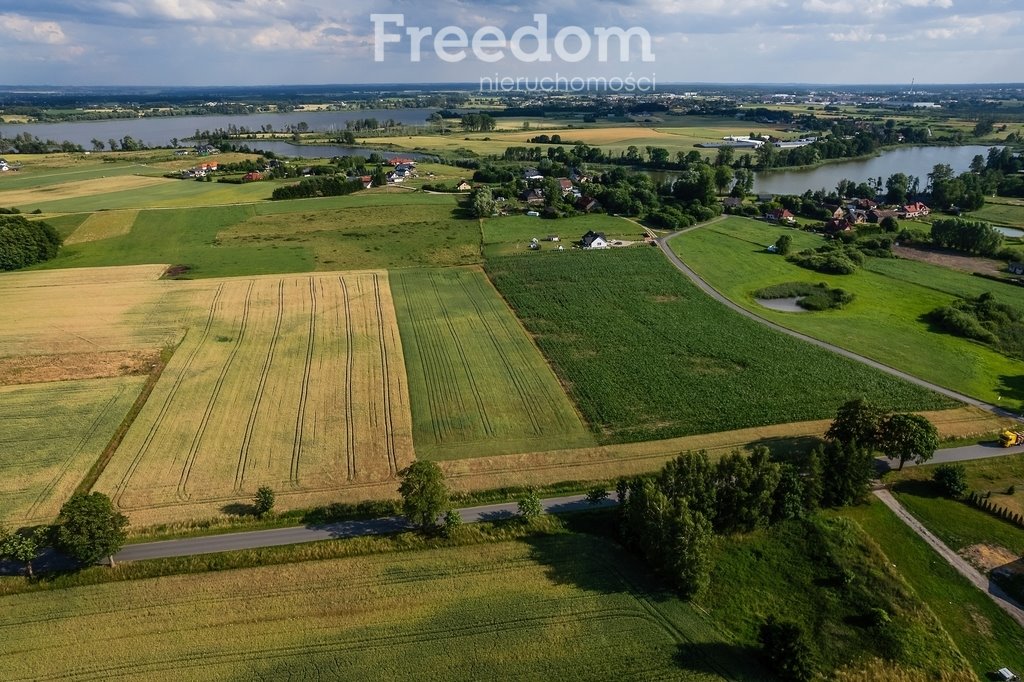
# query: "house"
838 212
781 215
732 202
532 196
865 204
594 240
915 210
565 184
208 167
578 176
837 225
877 215
1016 268
531 174
588 204
463 186
856 217
367 181
253 176
398 161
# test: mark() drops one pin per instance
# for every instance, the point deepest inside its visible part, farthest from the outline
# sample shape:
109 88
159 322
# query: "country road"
704 286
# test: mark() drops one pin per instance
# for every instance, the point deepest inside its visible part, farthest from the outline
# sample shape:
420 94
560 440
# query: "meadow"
568 606
293 382
512 234
999 211
653 357
366 231
478 385
884 322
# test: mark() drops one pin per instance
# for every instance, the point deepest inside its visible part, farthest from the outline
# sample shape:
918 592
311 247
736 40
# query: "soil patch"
37 369
988 557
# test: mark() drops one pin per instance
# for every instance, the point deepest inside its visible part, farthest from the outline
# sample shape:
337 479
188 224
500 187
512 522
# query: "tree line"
26 242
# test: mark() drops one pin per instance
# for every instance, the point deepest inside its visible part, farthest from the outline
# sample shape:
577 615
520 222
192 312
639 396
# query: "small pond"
782 305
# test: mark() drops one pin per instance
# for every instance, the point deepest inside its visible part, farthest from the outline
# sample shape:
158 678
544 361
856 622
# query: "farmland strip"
194 449
178 380
243 452
389 437
350 438
301 416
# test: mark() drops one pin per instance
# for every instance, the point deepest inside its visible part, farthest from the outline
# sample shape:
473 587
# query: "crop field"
478 384
68 312
365 231
50 434
653 357
512 234
564 606
103 225
77 189
295 382
884 322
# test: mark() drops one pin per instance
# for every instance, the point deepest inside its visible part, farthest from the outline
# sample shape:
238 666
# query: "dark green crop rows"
646 355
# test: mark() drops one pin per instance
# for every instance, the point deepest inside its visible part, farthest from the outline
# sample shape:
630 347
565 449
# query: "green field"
983 632
50 434
563 607
512 234
366 231
1007 212
883 323
478 385
646 355
826 574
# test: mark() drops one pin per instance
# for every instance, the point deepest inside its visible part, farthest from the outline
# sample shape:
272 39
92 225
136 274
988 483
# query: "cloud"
22 29
870 7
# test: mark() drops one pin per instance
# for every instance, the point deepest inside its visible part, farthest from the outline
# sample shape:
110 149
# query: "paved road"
714 293
1002 600
343 529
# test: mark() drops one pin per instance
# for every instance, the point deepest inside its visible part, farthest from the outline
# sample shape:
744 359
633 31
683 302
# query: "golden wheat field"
103 225
293 382
79 188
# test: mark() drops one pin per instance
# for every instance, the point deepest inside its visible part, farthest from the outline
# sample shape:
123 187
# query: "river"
160 131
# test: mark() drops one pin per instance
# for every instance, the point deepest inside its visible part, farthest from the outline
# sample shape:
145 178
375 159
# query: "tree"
90 528
380 178
687 550
264 500
23 547
723 178
847 469
529 505
784 245
785 648
452 521
97 144
952 480
890 224
597 495
897 188
856 421
424 494
482 202
908 437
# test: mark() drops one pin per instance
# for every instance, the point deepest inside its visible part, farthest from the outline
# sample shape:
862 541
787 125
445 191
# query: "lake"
326 151
917 161
160 131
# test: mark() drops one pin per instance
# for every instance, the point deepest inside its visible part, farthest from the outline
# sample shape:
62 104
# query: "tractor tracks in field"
300 417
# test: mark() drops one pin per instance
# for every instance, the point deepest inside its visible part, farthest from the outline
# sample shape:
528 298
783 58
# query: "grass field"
995 475
1001 212
477 383
103 225
51 435
512 234
364 231
296 382
569 606
986 635
827 575
653 357
883 323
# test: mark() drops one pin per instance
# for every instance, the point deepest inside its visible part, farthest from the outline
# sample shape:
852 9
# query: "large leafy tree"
857 421
22 547
90 528
908 437
424 494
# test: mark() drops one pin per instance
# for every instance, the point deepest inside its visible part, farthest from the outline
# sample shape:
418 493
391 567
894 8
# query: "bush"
785 648
597 495
952 480
529 505
784 245
264 500
811 296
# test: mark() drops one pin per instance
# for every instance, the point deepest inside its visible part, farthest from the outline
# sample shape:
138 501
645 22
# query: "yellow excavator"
1008 439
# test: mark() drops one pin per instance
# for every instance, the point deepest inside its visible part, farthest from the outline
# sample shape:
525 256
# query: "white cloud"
870 7
25 30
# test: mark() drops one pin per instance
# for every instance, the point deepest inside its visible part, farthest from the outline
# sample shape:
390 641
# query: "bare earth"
950 260
37 369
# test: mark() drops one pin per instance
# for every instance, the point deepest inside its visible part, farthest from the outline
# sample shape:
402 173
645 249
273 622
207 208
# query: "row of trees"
969 236
318 186
26 242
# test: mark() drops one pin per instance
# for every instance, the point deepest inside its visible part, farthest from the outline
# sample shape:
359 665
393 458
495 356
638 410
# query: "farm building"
915 210
594 240
464 186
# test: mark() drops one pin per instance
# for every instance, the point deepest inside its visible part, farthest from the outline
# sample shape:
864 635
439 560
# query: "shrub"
952 480
529 505
264 500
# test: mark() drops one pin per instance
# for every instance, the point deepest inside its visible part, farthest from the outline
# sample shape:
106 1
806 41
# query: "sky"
267 42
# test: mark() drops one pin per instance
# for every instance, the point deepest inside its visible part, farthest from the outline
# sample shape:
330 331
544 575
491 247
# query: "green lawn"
371 231
985 634
1010 214
561 607
478 386
827 575
883 323
646 355
512 234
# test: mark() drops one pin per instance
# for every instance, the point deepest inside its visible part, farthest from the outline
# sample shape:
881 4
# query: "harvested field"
103 225
78 189
947 259
544 608
294 382
89 310
478 384
36 369
50 434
